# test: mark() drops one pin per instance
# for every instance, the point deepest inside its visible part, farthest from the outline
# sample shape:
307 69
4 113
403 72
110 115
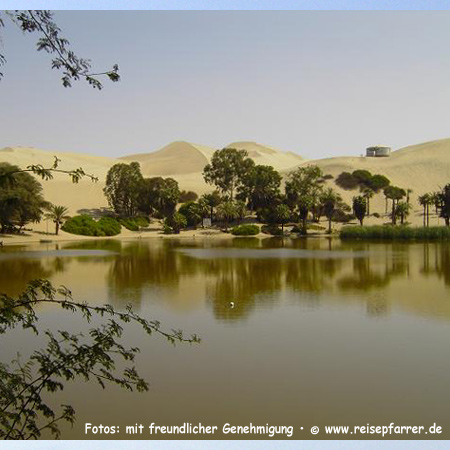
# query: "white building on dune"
377 151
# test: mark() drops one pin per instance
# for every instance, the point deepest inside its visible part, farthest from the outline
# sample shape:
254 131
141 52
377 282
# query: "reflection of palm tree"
57 214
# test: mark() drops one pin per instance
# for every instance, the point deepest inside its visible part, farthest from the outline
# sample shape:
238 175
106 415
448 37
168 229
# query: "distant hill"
422 168
177 158
265 155
182 157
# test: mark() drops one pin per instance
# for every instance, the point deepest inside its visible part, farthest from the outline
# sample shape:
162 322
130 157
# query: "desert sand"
422 168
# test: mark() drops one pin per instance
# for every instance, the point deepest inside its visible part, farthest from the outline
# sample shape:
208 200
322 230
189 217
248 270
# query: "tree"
260 186
188 196
159 196
193 213
395 194
25 411
123 187
50 40
425 201
302 187
227 169
176 222
227 212
282 214
21 199
367 193
360 208
402 211
444 200
329 200
57 214
211 200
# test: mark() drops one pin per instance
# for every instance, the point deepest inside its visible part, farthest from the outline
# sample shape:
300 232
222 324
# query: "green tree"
159 196
282 214
368 193
21 199
193 213
176 222
395 194
57 214
123 187
227 169
402 210
227 212
330 200
188 196
212 200
51 41
360 208
25 409
444 199
425 201
302 187
260 186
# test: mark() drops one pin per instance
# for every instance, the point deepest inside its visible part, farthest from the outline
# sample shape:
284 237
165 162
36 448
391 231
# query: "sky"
319 83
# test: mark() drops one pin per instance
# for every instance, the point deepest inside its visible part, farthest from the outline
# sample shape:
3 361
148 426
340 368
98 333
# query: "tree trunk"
57 228
394 218
428 215
329 225
424 216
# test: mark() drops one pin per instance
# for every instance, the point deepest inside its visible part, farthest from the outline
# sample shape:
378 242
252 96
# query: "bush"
342 217
86 226
273 230
134 223
245 230
175 223
396 233
377 215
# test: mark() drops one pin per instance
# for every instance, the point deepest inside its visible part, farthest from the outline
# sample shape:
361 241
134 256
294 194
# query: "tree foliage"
123 187
21 199
227 170
50 40
25 410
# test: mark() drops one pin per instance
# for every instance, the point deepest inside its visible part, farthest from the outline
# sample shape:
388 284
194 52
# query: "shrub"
273 230
296 229
86 226
176 222
377 215
396 233
109 226
134 223
245 230
192 212
342 217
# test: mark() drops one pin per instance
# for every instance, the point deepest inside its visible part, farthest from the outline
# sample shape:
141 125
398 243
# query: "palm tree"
402 210
57 214
226 211
368 194
425 201
329 200
282 214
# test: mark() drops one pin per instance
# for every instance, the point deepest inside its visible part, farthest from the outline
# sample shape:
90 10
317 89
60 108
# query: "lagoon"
295 332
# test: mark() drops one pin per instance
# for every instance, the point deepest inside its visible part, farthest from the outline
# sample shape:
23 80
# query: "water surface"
294 332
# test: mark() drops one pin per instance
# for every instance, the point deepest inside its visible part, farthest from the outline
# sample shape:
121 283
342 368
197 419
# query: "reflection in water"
304 345
237 276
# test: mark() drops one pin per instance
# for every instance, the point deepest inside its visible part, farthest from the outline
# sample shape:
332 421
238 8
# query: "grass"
395 233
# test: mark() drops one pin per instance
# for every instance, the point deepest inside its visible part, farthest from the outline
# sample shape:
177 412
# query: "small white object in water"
231 304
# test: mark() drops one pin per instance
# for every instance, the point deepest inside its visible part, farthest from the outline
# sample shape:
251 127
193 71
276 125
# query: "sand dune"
422 168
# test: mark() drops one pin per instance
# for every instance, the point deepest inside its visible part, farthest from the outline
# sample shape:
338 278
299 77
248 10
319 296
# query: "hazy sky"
317 83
